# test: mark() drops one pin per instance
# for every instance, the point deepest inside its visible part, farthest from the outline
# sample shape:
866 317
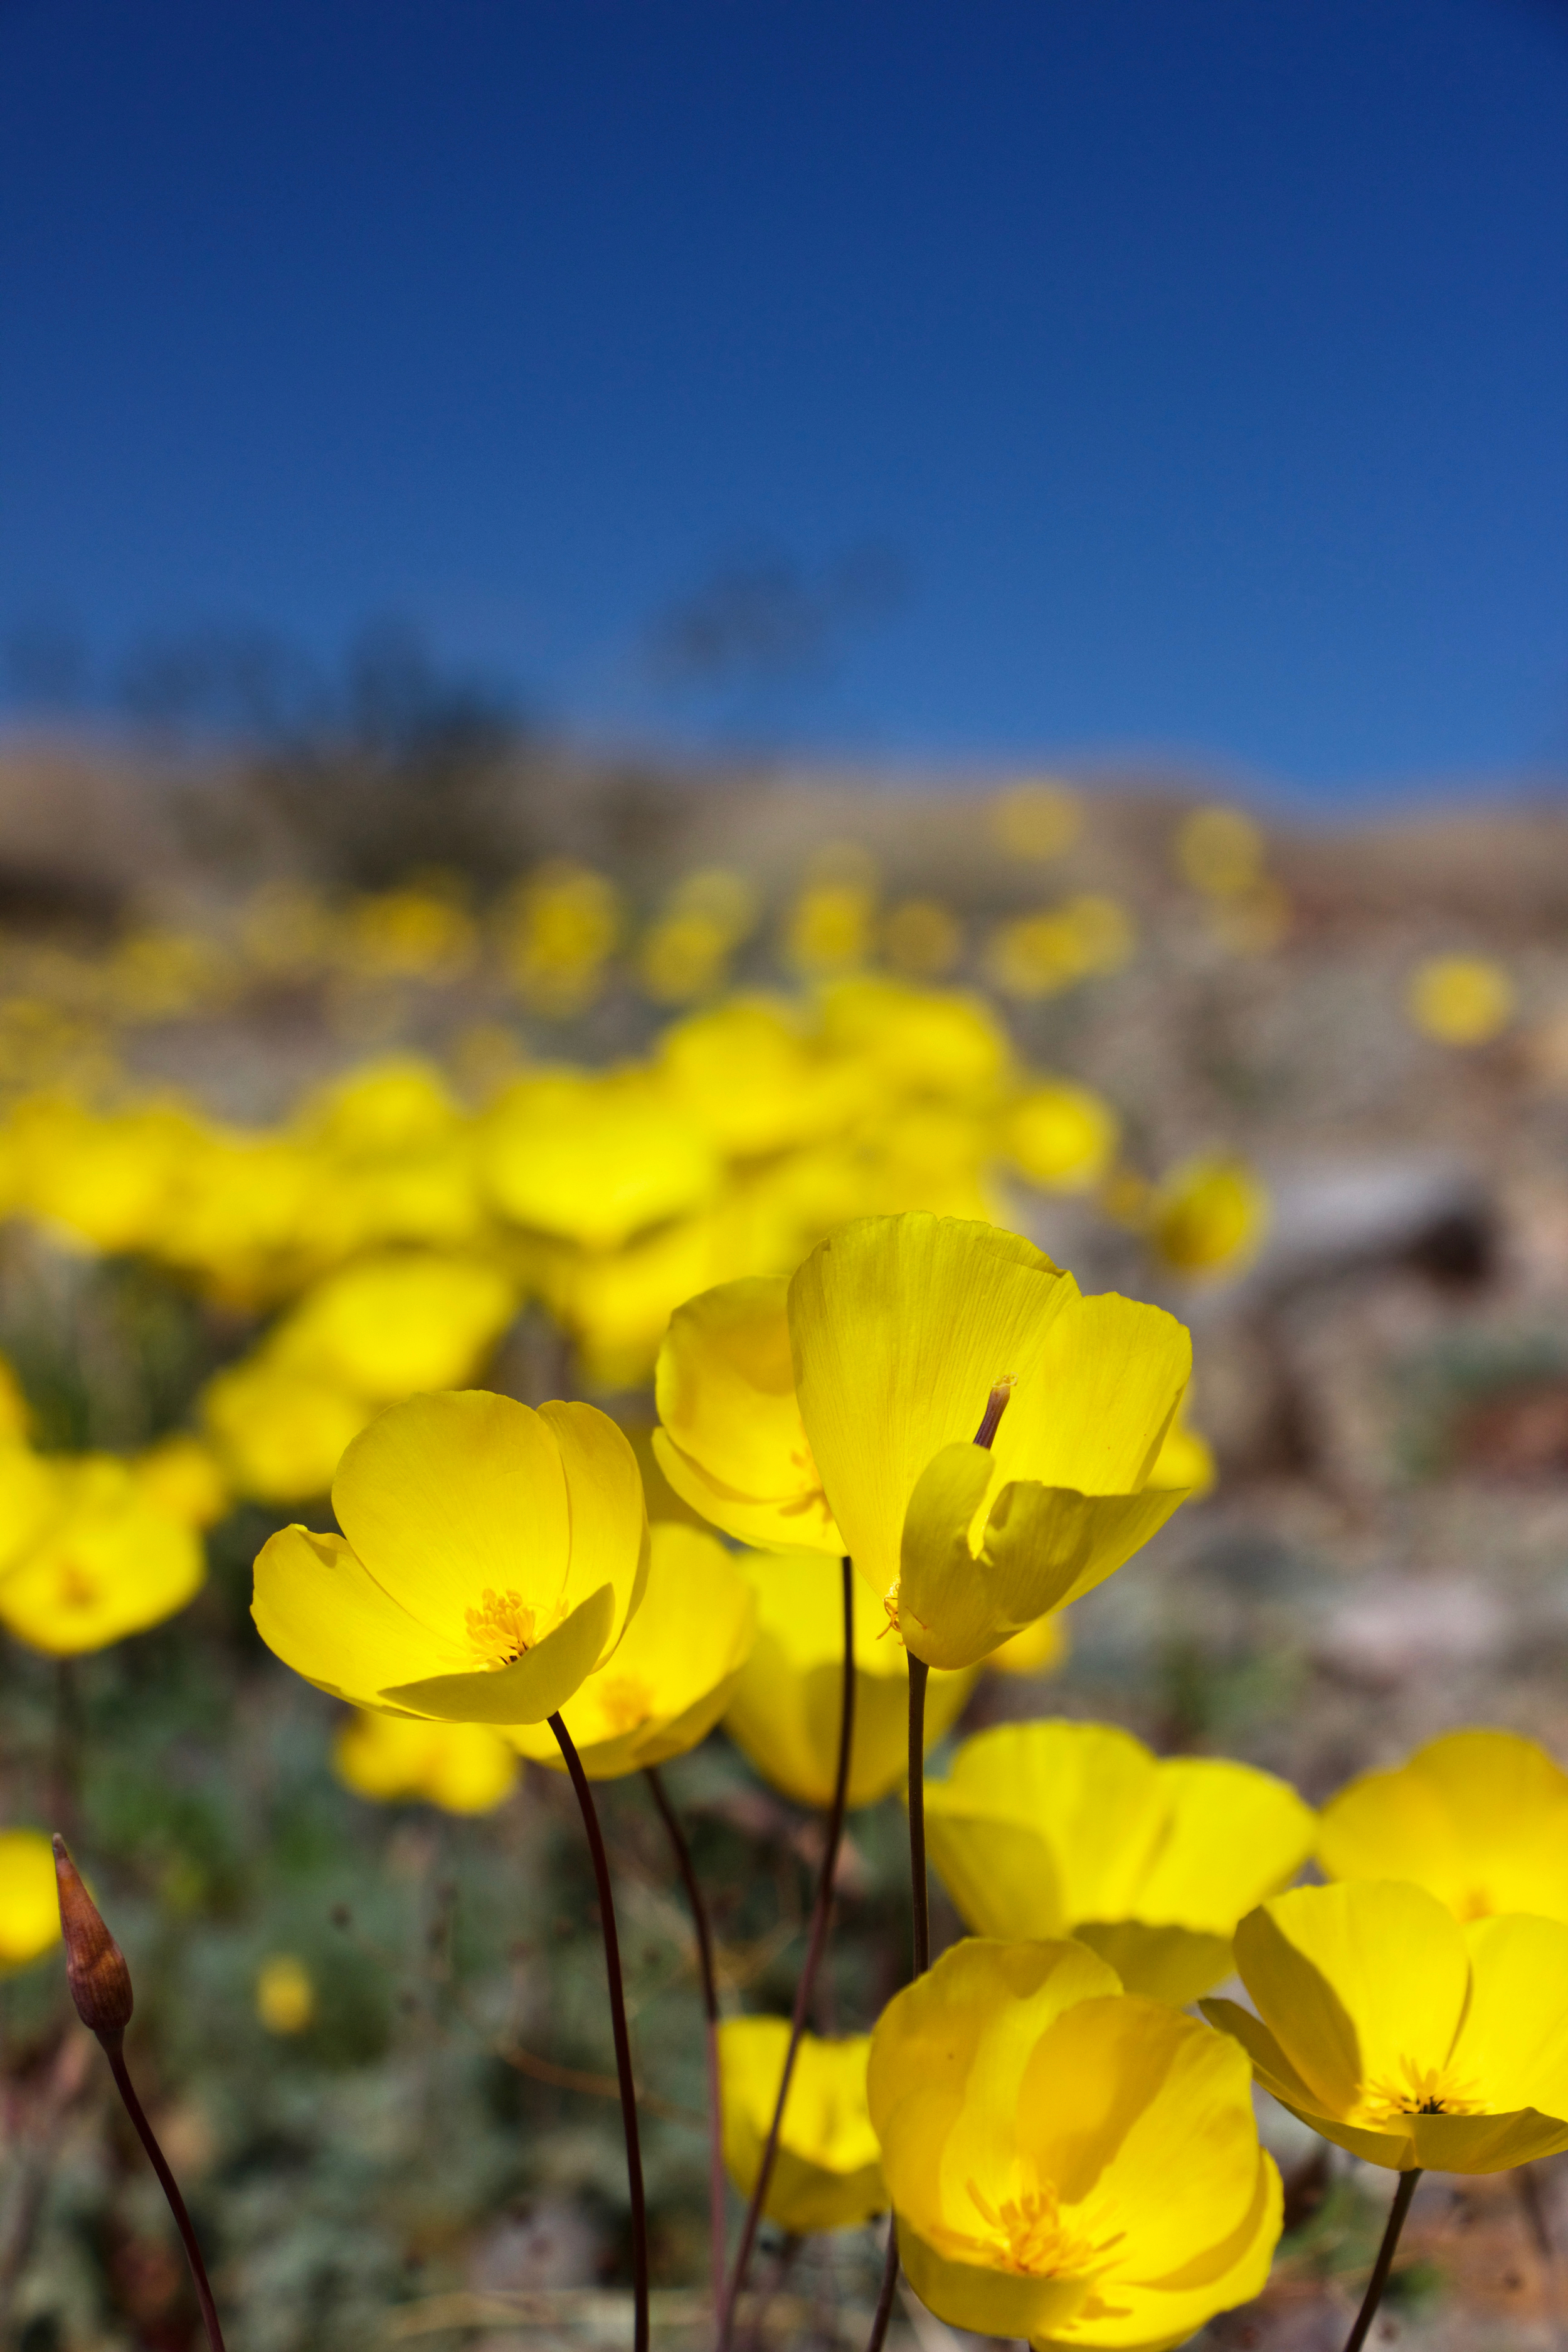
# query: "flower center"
1030 2235
76 1589
1419 2091
625 1701
501 1628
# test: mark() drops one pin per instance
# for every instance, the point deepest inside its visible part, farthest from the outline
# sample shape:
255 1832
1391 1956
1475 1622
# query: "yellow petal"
528 1690
1485 2143
1234 1836
1088 1792
802 1521
450 1496
1169 1964
1359 1982
1271 2066
318 1611
29 1898
997 2302
608 1513
1513 2044
902 1327
1110 1374
1125 2315
828 2175
1478 1818
109 1562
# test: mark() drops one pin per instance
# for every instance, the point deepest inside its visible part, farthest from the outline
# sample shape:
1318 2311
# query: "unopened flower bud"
95 1966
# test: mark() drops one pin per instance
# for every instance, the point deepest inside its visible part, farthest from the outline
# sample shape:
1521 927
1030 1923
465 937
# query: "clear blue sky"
1196 371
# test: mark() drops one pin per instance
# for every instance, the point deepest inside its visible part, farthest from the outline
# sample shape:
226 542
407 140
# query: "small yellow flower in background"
1040 1649
1037 817
1397 2033
464 1768
561 928
827 2174
1062 1136
102 1180
943 1043
685 952
396 1323
104 1560
278 1433
1041 954
285 1996
732 1444
784 1711
1220 851
921 938
906 1332
1208 1217
748 1077
489 1561
830 928
594 1159
674 1667
29 1898
1461 999
414 934
1479 1819
1187 1458
1067 2162
184 1479
1056 1829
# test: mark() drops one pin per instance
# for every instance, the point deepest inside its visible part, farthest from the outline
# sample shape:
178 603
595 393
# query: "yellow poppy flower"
285 1995
784 1711
1056 1829
184 1478
1479 1819
29 1900
1061 1136
489 1561
1397 2033
1461 999
107 1562
827 2173
278 1432
1067 2162
392 1326
904 1330
672 1675
1039 1649
464 1768
594 1158
1208 1217
732 1445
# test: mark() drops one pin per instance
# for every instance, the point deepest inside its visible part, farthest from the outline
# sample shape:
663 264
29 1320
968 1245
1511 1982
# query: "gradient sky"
1067 377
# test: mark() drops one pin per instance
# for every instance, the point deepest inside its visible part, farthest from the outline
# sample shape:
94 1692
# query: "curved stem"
618 2026
821 1913
1384 2262
884 2311
114 2050
704 1933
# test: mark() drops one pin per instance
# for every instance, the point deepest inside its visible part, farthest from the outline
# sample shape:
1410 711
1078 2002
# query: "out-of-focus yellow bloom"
237 1213
15 1413
387 1108
489 1561
30 1497
562 928
1039 955
278 1432
747 1077
830 927
732 1444
1067 2162
394 1324
1402 2036
408 935
1039 1649
1208 1217
105 1181
594 1160
30 1901
159 975
285 1996
104 1562
906 1332
1461 999
940 1042
921 938
1479 1819
1036 818
1055 1828
464 1768
1185 1459
786 1707
678 1661
827 2173
184 1479
1062 1136
685 952
1220 852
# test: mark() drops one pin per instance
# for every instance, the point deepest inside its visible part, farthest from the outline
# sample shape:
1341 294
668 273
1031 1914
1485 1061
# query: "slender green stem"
704 1934
919 1922
114 2050
618 2027
821 1913
1384 2262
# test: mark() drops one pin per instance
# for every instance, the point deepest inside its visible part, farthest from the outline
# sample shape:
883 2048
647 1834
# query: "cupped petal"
316 1607
1092 1789
828 2175
449 1497
724 1388
1170 1964
532 1687
1486 2143
1512 2048
902 1327
1000 2302
1234 1836
1136 2316
1109 1376
1269 2063
607 1511
1360 1983
1002 1876
1478 1818
801 1521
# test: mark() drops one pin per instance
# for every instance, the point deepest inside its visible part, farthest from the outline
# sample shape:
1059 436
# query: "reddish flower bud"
95 1966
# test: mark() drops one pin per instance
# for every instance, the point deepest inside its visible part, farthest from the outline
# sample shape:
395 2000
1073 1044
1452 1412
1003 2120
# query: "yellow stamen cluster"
501 1628
1425 2090
627 1702
1035 2239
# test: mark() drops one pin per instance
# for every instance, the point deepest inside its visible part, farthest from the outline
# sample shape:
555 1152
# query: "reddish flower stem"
704 1933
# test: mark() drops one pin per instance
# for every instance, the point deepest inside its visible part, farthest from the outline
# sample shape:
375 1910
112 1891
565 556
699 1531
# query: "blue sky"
1068 379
